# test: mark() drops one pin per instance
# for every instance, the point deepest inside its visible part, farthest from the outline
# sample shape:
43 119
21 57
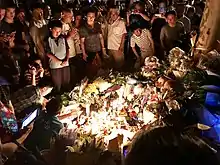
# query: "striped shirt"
29 77
142 41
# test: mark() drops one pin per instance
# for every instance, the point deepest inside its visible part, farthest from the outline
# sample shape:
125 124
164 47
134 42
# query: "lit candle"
87 109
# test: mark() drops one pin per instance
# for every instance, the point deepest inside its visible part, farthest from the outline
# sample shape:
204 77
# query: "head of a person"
138 32
171 17
54 106
56 28
38 12
10 12
91 15
21 15
67 15
164 145
139 7
37 64
78 19
45 86
114 13
2 13
47 12
136 29
190 11
172 88
161 81
162 8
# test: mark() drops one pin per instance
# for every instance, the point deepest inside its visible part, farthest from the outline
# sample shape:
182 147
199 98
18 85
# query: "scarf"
40 23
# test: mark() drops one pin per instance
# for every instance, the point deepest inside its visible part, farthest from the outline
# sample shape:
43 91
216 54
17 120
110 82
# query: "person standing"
39 32
186 18
2 14
116 38
170 35
92 43
69 32
58 53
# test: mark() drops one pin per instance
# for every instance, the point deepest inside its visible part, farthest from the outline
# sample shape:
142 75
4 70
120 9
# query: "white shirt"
142 41
65 30
59 51
115 33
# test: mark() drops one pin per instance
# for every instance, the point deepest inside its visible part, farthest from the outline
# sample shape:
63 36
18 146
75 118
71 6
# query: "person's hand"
11 42
33 71
121 49
85 56
65 62
26 47
30 128
41 71
73 32
44 103
12 35
104 51
27 131
4 38
128 13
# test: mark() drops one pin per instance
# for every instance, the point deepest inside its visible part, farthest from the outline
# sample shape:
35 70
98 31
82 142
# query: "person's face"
10 13
45 91
2 14
171 19
78 19
114 15
90 18
21 16
138 32
160 82
56 31
137 8
39 63
67 17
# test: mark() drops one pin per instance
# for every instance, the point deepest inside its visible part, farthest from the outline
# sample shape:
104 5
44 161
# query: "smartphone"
29 119
158 15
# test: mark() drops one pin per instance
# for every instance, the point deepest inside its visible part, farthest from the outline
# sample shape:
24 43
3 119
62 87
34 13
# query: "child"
142 38
58 53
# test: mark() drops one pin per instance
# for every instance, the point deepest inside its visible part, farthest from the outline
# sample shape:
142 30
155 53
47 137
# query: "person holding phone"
8 129
34 73
47 125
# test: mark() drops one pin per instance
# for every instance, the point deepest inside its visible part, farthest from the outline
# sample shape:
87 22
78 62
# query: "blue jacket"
208 113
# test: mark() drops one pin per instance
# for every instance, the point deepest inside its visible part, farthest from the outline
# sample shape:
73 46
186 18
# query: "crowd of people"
45 51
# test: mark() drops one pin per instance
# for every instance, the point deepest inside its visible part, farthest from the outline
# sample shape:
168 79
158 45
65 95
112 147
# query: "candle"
87 109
